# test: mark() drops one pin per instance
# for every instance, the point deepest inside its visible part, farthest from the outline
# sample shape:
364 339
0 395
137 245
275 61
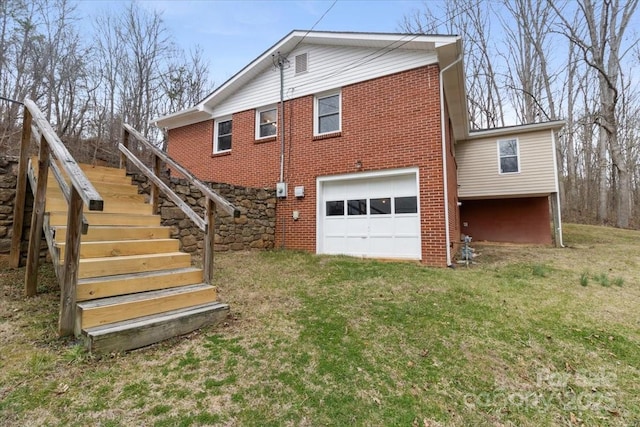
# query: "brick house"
365 137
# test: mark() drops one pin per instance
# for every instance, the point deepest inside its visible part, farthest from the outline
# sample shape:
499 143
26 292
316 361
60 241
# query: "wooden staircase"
134 286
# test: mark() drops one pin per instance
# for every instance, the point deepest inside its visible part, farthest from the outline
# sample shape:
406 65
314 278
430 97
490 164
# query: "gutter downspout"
281 122
558 232
444 161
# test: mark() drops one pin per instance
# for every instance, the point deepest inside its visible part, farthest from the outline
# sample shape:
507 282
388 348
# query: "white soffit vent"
301 63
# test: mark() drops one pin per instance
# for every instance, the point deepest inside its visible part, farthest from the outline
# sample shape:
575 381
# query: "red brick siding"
522 220
387 123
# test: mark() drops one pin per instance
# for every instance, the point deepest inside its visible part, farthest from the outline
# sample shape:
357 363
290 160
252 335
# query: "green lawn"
528 336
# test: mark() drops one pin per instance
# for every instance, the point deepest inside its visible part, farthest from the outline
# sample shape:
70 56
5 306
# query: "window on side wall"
327 113
222 135
508 156
266 122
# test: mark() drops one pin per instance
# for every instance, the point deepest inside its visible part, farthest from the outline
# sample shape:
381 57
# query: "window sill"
221 154
327 135
267 139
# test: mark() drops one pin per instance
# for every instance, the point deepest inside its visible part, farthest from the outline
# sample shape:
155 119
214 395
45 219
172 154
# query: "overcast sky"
233 33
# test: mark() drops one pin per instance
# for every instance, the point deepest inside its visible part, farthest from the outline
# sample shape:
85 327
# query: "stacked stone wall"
254 229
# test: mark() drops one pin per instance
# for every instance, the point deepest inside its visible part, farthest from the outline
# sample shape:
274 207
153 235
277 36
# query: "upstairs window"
267 122
327 113
509 156
222 135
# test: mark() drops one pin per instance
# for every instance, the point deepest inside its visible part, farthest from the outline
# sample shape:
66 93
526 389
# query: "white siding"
478 175
329 67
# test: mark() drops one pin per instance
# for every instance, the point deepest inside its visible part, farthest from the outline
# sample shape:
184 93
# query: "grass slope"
528 336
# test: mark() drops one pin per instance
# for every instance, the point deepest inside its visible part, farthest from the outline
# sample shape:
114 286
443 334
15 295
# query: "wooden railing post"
125 142
209 241
69 280
37 219
155 190
21 192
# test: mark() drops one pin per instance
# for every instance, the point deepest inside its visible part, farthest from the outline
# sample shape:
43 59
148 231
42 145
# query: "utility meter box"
281 189
298 191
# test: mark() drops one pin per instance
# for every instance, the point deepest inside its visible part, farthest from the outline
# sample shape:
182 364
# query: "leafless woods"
535 60
90 77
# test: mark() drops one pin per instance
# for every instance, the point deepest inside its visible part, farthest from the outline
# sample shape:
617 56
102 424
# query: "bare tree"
599 36
472 20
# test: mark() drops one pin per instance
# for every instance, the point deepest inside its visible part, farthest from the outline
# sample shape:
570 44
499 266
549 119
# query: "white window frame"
260 111
316 111
500 156
215 134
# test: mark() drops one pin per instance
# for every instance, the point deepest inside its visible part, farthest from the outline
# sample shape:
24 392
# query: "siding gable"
328 67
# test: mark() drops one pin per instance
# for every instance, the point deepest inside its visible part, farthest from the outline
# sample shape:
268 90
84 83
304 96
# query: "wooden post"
125 142
37 218
209 241
21 192
69 282
155 190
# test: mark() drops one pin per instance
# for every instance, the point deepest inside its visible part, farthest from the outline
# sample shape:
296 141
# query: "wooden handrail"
81 192
57 174
212 199
83 186
165 188
206 191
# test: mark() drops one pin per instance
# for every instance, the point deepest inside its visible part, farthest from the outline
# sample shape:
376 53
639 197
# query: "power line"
383 50
314 25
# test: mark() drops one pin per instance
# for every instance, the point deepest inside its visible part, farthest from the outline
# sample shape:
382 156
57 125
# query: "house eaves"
453 81
288 44
512 130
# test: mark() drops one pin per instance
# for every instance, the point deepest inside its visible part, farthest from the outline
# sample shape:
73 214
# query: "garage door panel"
356 246
335 245
334 226
372 228
405 225
406 246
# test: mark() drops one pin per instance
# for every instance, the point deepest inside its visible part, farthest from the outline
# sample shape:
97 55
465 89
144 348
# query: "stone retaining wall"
8 173
254 229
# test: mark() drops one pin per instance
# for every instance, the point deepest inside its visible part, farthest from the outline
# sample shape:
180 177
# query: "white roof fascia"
511 130
188 116
286 45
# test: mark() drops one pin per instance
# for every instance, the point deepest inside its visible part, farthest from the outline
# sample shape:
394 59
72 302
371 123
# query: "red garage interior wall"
521 220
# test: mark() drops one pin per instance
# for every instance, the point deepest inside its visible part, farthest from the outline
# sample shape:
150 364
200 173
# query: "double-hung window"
327 113
222 135
266 122
509 156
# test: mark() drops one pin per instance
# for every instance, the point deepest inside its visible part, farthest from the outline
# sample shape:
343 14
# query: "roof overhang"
185 117
453 81
202 111
511 130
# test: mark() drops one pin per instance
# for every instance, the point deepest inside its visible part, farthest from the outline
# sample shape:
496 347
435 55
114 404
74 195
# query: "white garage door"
376 216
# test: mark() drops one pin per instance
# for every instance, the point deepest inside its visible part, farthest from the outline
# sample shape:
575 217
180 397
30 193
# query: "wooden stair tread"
109 266
143 296
57 218
117 232
146 330
111 248
106 196
109 206
124 307
122 284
